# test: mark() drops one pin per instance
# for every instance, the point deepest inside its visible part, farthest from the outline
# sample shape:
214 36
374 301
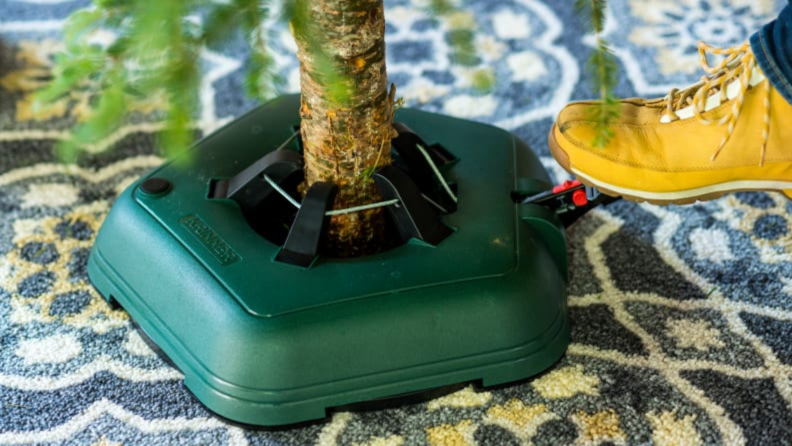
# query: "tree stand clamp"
218 260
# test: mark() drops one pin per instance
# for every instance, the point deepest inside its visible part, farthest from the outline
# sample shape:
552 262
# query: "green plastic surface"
266 343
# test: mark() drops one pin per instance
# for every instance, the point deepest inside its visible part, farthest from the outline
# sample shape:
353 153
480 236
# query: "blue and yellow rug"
682 316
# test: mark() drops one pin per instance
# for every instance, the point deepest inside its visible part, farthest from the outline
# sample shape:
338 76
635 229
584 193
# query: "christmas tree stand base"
265 340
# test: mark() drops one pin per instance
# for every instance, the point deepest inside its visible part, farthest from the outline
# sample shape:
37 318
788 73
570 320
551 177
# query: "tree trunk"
347 111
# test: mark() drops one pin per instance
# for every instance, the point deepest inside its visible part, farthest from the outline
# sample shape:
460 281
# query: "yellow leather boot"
729 132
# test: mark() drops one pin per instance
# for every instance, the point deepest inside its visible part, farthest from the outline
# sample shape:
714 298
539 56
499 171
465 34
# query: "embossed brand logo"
210 239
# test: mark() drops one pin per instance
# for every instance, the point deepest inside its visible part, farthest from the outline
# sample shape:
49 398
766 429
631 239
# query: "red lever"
566 185
579 197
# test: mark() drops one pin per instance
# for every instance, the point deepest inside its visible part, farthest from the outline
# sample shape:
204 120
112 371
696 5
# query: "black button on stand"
155 186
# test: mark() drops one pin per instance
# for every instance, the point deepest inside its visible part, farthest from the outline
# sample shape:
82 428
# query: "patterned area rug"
682 316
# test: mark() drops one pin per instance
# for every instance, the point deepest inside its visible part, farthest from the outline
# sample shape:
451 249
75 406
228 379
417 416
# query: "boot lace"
737 65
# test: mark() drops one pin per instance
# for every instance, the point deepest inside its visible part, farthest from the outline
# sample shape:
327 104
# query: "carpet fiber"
682 316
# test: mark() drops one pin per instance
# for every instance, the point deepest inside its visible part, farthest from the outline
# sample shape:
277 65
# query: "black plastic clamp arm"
249 188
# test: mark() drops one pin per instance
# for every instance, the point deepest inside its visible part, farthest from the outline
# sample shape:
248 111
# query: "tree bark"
347 111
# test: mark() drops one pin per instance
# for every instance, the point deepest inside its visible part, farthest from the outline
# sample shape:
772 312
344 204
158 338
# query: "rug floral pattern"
682 316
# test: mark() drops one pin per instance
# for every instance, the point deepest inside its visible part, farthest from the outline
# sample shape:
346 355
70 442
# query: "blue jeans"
772 46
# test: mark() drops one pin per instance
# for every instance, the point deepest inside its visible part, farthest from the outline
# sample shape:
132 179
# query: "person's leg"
772 46
729 132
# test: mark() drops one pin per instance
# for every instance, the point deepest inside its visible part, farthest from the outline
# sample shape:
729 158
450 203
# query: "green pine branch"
603 72
155 52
